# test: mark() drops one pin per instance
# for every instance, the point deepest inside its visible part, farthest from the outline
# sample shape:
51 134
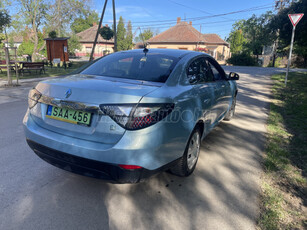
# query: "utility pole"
99 26
114 27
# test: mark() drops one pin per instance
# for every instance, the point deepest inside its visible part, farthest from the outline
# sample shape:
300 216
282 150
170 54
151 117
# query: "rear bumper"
150 148
92 168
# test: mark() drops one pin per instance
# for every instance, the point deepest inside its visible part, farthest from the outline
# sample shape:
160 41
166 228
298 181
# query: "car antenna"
145 50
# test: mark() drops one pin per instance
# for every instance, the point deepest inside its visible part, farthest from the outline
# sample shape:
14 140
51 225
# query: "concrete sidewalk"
3 83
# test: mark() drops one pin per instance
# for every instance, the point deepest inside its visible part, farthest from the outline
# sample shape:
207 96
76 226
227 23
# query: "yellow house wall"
219 48
171 46
86 48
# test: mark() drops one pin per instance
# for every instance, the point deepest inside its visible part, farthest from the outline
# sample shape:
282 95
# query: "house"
15 41
87 38
184 36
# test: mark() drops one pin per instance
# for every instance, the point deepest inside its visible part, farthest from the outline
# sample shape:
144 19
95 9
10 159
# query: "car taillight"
33 97
137 116
130 166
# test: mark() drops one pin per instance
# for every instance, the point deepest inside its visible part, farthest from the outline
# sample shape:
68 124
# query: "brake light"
137 116
33 97
130 166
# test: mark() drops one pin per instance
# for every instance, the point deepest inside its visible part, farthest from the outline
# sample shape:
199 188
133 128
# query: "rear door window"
199 72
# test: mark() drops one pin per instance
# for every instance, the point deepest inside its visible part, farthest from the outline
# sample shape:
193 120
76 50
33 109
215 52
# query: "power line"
192 8
167 24
267 6
209 24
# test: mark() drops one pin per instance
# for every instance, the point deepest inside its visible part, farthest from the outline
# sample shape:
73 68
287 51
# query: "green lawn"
50 72
284 181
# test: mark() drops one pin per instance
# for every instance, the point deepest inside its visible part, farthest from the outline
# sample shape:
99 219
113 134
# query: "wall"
99 49
222 49
55 50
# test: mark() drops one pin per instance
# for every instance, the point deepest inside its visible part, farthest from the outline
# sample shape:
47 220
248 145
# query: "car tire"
229 115
187 163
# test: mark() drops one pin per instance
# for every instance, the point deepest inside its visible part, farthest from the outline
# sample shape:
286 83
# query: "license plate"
69 115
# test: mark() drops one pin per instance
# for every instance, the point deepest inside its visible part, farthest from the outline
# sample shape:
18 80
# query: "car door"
222 89
203 89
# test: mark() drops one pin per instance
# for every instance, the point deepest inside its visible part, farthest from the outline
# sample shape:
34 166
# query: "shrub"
277 62
242 59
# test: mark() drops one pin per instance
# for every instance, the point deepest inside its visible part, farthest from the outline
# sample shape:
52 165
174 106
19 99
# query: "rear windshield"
137 66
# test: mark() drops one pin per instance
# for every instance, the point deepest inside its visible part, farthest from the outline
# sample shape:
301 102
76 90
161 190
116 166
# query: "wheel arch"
201 125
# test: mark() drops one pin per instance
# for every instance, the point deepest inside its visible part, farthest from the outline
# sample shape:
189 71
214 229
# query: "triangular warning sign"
295 18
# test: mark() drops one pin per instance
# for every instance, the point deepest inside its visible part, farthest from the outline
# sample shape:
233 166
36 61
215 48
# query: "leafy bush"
277 62
52 34
242 59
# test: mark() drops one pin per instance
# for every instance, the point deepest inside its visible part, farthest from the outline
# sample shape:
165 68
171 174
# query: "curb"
4 82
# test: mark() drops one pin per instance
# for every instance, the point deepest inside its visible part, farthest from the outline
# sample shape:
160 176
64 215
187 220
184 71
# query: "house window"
88 49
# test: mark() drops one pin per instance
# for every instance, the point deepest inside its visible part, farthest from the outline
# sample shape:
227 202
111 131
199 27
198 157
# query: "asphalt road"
221 194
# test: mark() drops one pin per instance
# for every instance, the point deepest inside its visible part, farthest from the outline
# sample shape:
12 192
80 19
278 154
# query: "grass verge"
50 72
284 193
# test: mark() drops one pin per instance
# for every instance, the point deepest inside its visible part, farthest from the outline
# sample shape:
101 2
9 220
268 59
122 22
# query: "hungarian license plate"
69 115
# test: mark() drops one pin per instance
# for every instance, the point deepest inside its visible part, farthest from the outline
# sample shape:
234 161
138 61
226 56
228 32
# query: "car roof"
170 52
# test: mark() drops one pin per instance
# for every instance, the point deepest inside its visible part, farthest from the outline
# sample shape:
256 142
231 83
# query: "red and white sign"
295 18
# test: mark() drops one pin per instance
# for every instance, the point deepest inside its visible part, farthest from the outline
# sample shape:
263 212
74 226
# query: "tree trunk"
58 18
35 39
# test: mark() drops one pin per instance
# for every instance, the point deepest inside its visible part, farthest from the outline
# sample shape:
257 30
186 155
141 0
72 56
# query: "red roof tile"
183 32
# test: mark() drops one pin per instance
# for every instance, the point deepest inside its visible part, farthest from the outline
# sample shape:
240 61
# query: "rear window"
137 66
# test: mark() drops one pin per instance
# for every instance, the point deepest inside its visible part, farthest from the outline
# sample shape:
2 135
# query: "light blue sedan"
130 114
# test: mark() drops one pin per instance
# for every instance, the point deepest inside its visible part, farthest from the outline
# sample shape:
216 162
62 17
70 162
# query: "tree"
145 35
52 34
257 33
106 33
2 37
63 12
251 35
121 33
129 36
33 14
84 22
236 41
27 45
282 23
73 44
5 19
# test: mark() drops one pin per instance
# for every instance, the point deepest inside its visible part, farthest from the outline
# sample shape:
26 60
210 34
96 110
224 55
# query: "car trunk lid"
89 91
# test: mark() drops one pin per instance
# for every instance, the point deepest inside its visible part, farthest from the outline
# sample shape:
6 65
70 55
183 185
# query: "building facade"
87 38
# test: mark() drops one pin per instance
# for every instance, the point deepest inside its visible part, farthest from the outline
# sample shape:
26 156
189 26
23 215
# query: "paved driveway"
221 194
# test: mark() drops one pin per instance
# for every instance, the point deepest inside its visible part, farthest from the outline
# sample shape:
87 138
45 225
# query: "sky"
209 16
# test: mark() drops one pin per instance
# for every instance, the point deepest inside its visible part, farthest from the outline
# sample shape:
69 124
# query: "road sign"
294 18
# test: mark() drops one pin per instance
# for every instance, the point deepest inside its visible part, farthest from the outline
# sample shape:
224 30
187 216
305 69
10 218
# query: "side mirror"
233 76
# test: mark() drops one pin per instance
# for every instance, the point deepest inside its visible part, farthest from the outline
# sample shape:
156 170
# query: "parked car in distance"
130 114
